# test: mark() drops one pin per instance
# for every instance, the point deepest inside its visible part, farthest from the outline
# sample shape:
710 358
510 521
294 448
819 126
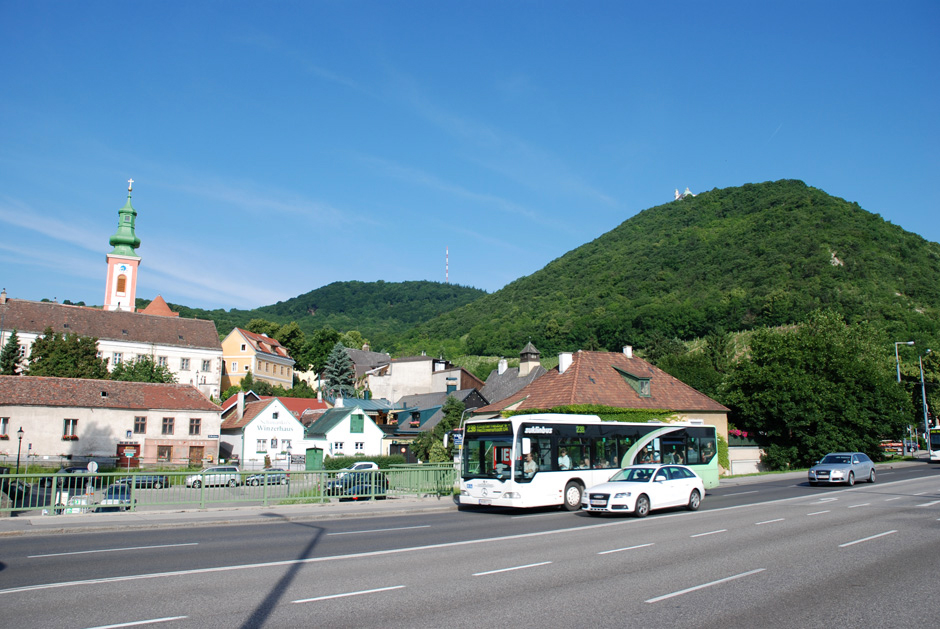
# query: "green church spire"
124 240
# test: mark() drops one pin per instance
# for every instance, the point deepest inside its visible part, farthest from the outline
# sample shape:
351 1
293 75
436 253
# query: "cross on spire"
130 184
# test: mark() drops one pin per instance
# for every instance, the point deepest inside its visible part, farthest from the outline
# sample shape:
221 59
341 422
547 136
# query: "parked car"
361 466
23 495
117 497
72 478
218 475
842 467
269 476
155 481
359 486
639 489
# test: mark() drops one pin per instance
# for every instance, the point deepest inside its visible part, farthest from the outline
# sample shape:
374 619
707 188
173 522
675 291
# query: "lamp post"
923 398
897 359
19 446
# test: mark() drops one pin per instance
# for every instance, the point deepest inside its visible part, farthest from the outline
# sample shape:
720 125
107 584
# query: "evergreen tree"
66 356
144 369
10 356
340 373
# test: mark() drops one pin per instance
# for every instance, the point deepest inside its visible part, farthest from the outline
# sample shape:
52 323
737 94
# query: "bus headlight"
464 492
512 495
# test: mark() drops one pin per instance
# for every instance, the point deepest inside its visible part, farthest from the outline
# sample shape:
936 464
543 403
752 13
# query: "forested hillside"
381 311
727 260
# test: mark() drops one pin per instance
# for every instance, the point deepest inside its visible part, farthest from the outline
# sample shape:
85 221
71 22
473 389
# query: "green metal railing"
62 494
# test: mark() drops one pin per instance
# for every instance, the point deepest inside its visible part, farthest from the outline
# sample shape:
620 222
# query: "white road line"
864 504
920 493
827 499
328 597
741 493
929 504
110 550
895 498
709 533
400 528
866 539
141 622
531 565
704 585
538 515
818 512
617 550
768 521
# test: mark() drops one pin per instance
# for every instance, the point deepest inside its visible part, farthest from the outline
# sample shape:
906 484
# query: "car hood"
617 487
831 467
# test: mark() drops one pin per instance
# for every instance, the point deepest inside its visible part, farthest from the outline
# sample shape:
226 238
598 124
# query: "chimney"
338 402
628 351
3 297
319 395
502 366
365 347
564 361
240 405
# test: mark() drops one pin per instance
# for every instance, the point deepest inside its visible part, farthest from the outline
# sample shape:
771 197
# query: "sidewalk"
128 520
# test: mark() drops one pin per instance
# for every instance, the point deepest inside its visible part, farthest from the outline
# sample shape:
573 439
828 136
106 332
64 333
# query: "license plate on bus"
485 502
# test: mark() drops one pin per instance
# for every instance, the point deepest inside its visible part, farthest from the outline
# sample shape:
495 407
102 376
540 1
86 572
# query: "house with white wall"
417 375
252 431
342 431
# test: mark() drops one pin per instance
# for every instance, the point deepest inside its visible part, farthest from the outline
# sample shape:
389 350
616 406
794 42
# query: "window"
356 423
4 425
274 443
234 368
246 367
121 284
184 364
195 425
71 428
262 445
168 425
161 360
164 453
118 358
285 443
337 446
207 365
140 425
244 347
274 415
360 446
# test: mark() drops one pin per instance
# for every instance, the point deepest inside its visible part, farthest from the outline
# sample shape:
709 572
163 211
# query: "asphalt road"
775 553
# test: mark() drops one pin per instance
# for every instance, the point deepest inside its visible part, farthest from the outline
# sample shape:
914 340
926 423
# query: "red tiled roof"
264 344
252 409
159 308
296 405
593 378
78 392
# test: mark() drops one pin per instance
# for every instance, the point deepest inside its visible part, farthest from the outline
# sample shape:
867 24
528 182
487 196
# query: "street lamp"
897 359
19 446
923 398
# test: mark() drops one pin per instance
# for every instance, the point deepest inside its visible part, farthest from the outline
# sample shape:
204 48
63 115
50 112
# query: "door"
314 458
196 454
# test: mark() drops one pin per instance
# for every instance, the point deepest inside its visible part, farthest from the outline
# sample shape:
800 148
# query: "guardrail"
63 494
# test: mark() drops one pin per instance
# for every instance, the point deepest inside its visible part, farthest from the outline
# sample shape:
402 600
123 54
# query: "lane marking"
740 493
866 539
110 550
920 493
895 498
538 515
531 565
929 504
709 533
617 550
818 512
864 504
703 586
330 596
768 521
141 622
826 499
399 528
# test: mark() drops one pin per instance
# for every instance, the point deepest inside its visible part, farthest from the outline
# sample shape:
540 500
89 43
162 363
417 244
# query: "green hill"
727 260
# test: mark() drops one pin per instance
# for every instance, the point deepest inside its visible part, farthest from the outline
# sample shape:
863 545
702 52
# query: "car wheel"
851 480
695 500
572 496
254 483
158 485
642 508
196 484
871 476
232 483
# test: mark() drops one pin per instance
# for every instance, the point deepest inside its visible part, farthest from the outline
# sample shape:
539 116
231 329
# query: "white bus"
549 459
933 445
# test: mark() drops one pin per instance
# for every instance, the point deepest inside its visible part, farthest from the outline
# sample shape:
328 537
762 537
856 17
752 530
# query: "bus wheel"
572 496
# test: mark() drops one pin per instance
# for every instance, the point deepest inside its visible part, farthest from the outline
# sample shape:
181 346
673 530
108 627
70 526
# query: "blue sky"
277 147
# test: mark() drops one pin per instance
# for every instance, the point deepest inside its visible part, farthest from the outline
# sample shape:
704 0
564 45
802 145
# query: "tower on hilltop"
121 290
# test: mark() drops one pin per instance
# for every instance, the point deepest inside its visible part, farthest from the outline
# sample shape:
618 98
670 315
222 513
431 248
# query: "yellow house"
264 357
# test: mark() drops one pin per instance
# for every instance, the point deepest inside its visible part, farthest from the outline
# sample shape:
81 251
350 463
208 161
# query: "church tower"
121 291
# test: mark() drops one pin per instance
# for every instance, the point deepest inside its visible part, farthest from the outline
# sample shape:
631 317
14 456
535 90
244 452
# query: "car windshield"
836 459
634 475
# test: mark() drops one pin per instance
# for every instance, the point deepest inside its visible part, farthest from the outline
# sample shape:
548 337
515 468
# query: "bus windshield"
487 450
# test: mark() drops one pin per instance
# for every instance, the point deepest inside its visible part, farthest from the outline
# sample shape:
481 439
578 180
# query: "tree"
10 356
247 382
340 373
318 347
263 326
353 339
821 386
429 445
144 369
66 356
293 339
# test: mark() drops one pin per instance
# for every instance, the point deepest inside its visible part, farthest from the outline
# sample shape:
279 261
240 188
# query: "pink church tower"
121 291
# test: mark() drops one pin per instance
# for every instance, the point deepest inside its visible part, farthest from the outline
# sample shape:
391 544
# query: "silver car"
218 475
842 467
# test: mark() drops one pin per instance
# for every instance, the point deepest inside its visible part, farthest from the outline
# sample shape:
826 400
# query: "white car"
361 466
639 489
218 475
